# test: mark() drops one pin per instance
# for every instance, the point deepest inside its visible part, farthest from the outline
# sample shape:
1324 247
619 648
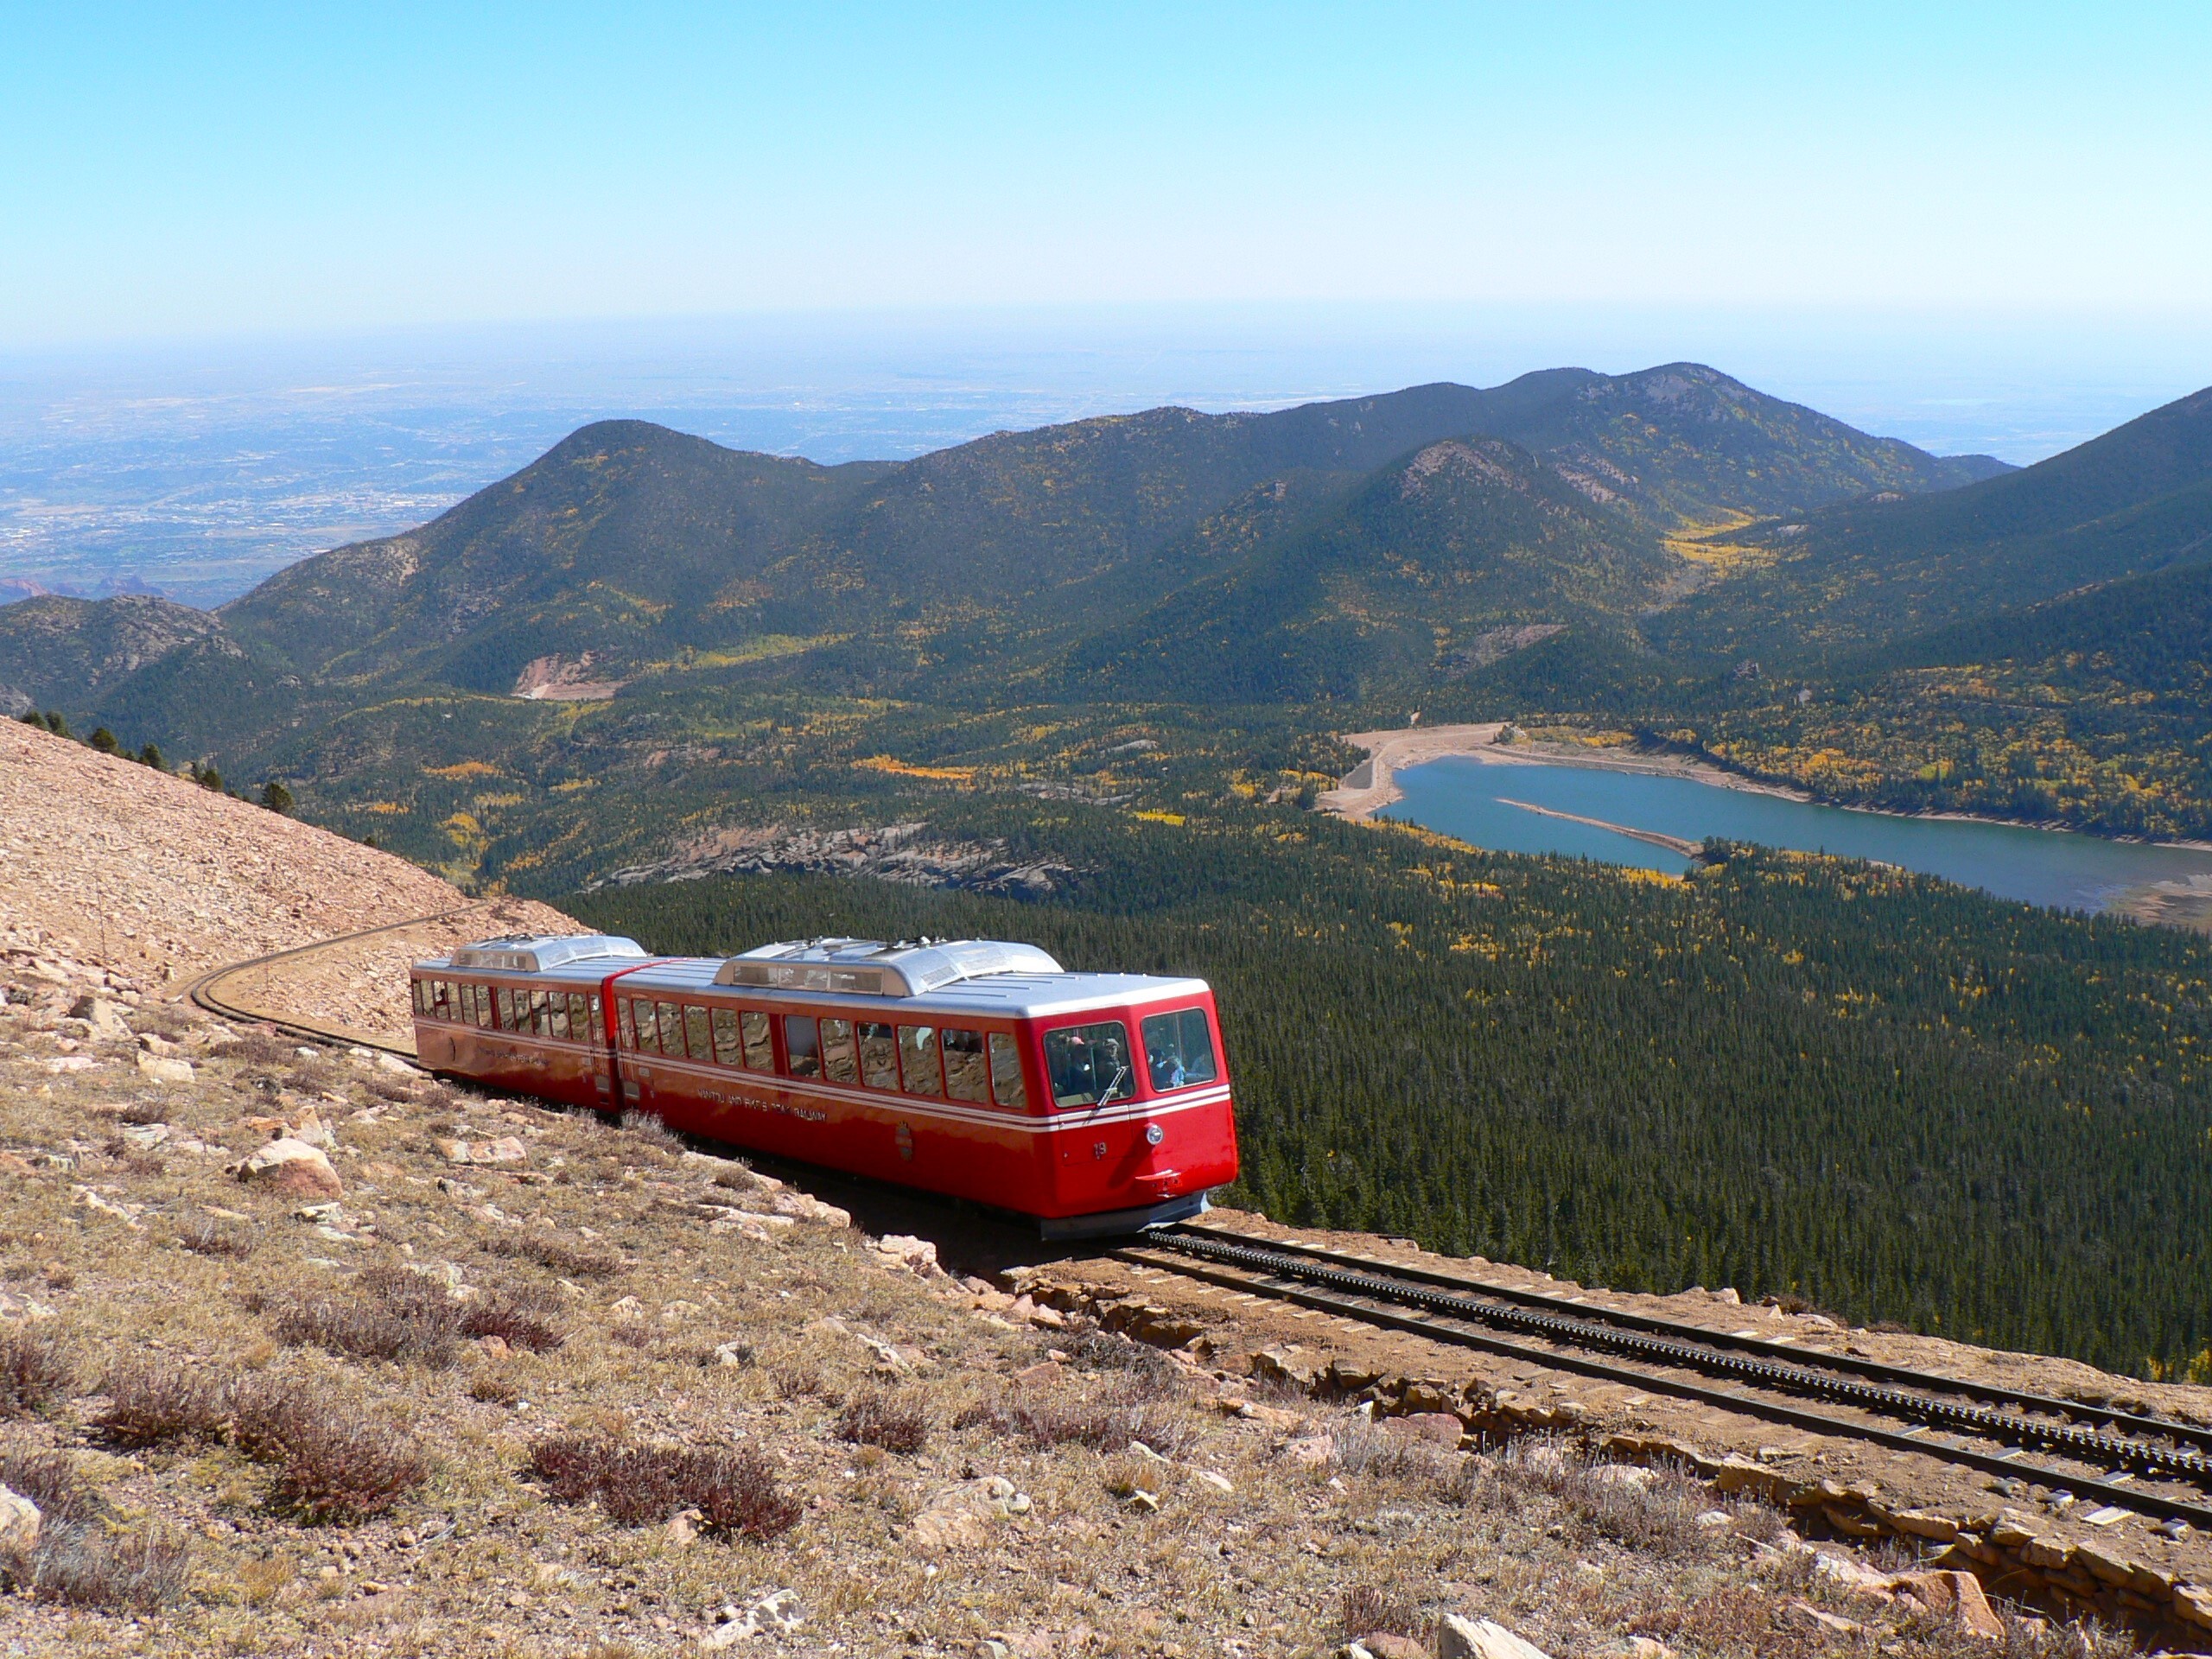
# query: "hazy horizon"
198 467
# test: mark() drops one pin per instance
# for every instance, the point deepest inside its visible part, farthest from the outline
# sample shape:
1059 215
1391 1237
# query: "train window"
503 1015
598 1025
839 1060
695 1033
917 1060
581 1026
549 1014
471 1003
879 1056
671 1031
632 1031
1089 1064
726 1047
415 990
964 1075
802 1046
437 1001
1005 1072
1177 1048
759 1053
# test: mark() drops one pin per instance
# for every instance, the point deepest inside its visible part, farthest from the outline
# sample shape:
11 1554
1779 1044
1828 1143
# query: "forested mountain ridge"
1412 576
2139 499
642 552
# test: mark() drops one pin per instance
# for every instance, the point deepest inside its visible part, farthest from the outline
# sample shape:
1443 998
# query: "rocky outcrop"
893 852
291 1169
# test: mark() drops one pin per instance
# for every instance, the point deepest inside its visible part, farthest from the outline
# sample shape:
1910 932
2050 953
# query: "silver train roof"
534 953
976 976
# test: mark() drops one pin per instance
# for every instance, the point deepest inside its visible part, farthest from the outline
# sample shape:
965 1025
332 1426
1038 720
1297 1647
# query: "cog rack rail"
1466 1311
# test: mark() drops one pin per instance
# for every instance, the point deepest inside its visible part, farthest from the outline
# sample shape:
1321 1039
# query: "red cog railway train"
1096 1103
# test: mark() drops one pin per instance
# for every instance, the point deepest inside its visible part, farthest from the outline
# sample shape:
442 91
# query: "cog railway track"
1950 1419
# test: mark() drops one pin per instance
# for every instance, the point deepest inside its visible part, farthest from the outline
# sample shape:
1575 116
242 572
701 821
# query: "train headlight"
1153 1135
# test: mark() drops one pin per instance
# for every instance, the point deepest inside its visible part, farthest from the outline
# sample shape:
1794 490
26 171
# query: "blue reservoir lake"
1488 802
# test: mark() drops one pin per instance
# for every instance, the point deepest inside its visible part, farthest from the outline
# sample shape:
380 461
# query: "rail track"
1950 1419
208 991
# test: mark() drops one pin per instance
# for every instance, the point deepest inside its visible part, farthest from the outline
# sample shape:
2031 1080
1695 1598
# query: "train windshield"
1179 1049
1089 1065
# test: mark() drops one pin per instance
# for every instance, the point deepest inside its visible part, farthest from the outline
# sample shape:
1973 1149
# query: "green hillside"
2094 710
1402 583
2136 500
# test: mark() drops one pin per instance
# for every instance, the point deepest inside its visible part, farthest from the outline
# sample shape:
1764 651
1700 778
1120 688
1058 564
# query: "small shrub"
150 1406
734 1491
654 1133
365 1330
34 1371
1107 1424
569 1260
794 1379
400 1316
142 1114
86 1566
334 1461
874 1418
514 1319
211 1235
275 796
494 1388
1109 1351
49 1480
340 1466
639 1337
56 723
103 740
1371 1610
151 756
1362 1448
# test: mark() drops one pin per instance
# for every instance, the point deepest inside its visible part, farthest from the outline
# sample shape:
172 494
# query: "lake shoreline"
1390 751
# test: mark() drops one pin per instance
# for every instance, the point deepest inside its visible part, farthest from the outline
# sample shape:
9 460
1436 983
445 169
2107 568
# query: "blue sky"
210 171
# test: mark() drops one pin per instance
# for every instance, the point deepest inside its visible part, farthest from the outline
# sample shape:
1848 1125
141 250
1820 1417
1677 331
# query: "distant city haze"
198 470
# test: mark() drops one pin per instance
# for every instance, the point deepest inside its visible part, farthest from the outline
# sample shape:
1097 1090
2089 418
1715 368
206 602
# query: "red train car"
1094 1102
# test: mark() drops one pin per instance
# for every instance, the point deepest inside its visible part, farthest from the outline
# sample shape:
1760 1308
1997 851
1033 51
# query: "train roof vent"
871 967
532 953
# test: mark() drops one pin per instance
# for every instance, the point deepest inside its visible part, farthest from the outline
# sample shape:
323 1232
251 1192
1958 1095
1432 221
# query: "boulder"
308 1126
963 1513
164 1071
292 1169
102 1016
905 1251
1956 1597
1389 1644
1479 1638
19 1521
1441 1427
776 1613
